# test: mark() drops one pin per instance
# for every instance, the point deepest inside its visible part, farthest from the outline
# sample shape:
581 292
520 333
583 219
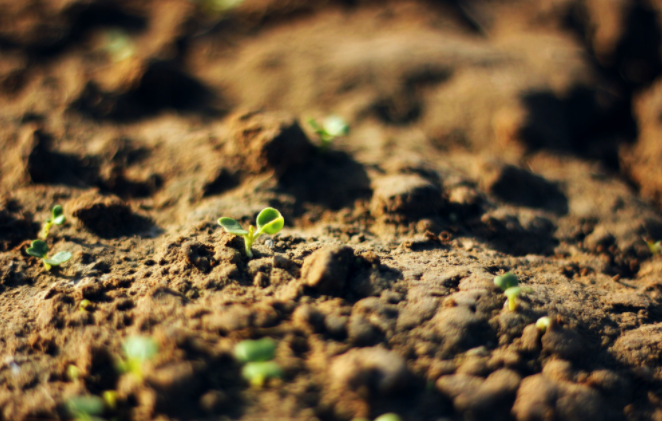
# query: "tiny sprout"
512 294
505 281
388 417
543 324
85 408
253 351
73 372
259 371
138 350
219 6
118 45
110 398
269 221
57 218
332 127
86 305
655 247
39 248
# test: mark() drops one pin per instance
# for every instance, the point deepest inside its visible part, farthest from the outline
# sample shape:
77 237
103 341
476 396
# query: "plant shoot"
252 351
138 350
85 408
39 249
332 127
57 218
269 221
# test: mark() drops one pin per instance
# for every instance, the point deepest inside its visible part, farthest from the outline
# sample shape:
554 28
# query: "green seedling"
655 247
86 305
73 372
543 324
110 398
85 408
254 351
332 127
259 371
39 248
57 218
389 417
118 45
138 350
505 281
513 294
219 6
269 221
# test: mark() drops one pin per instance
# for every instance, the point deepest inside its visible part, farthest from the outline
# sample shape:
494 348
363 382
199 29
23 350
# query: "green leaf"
270 221
88 405
260 350
335 126
315 126
513 292
58 217
59 258
257 372
38 248
231 226
140 348
505 281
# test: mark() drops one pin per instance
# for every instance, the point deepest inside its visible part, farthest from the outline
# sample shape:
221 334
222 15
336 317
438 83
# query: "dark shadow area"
521 187
332 179
509 235
162 87
15 226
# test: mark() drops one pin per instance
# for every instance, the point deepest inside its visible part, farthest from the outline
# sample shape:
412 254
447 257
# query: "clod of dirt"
405 197
106 216
326 269
459 328
641 346
518 234
15 225
231 318
380 370
198 255
176 382
478 397
562 342
265 142
521 187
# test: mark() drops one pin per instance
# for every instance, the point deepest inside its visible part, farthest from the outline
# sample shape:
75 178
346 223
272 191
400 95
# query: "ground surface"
485 137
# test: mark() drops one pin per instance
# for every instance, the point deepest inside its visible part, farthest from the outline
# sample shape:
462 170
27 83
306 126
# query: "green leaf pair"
256 356
332 127
85 408
57 218
269 221
138 350
509 284
39 248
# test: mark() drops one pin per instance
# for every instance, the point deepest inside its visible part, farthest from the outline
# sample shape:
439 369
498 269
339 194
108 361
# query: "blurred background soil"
486 136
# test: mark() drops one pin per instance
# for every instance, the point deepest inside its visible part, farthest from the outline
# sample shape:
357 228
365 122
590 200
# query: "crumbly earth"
486 136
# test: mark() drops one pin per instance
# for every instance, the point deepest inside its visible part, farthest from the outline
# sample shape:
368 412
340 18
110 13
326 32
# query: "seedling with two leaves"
332 127
509 284
138 350
39 248
85 408
57 218
269 221
256 356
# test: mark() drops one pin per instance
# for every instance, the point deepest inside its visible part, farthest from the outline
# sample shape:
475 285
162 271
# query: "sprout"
138 350
85 408
57 218
655 247
118 45
253 351
259 371
543 324
505 281
389 417
332 127
512 294
86 305
110 398
73 372
219 6
39 248
269 221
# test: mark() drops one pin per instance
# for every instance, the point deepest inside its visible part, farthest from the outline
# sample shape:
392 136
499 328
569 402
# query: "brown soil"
486 136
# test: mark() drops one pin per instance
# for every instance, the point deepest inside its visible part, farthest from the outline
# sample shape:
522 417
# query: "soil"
486 136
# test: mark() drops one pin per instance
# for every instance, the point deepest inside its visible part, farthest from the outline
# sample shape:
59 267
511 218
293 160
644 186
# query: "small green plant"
118 44
110 398
543 324
86 305
389 417
85 408
138 350
269 221
73 372
259 350
332 127
258 372
655 247
509 284
57 218
39 248
219 6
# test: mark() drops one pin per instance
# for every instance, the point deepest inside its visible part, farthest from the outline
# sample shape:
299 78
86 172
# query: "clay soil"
486 136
